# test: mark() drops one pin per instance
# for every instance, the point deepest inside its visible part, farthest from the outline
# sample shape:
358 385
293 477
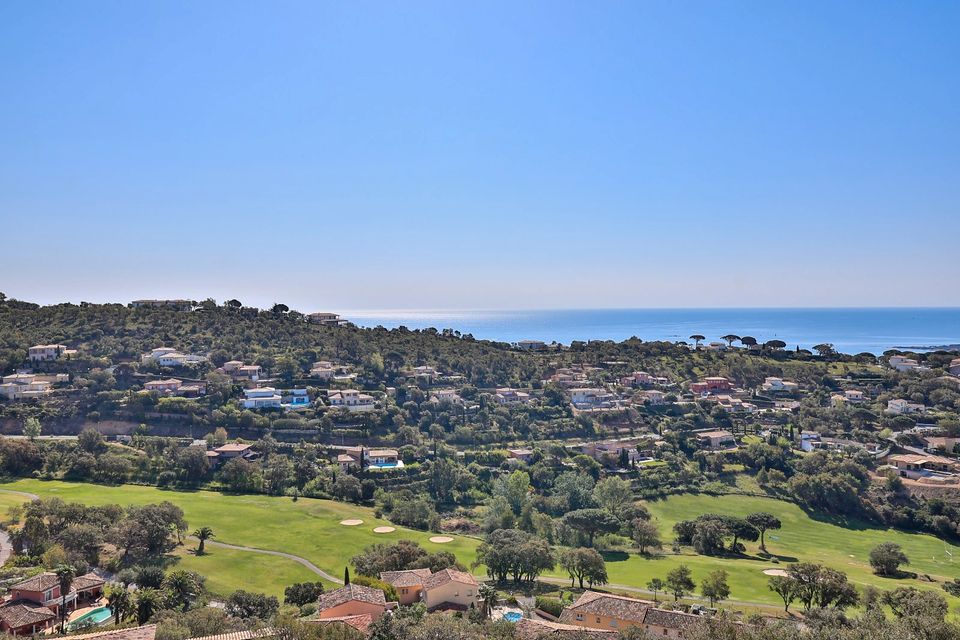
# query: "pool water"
512 616
92 617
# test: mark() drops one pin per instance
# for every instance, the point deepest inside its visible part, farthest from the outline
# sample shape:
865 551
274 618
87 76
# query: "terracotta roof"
441 578
233 446
39 582
351 592
146 632
406 578
87 581
606 604
247 634
23 612
359 622
669 619
527 629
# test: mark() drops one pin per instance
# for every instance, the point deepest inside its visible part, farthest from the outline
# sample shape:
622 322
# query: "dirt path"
289 556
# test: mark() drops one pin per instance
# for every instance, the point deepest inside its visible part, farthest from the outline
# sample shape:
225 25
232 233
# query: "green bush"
550 605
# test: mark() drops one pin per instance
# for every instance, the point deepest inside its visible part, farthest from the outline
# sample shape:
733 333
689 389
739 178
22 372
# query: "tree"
302 593
814 584
886 558
697 339
825 349
613 494
251 606
118 601
148 601
679 581
202 534
776 345
656 585
646 535
740 528
32 428
515 553
591 522
748 341
346 576
279 308
583 564
730 339
65 575
488 599
715 586
763 522
785 587
182 588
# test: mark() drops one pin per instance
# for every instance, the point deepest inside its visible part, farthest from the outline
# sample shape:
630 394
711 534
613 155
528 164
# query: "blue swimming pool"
512 616
91 618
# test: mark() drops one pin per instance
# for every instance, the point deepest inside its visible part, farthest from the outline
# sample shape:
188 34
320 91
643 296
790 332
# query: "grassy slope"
307 528
801 538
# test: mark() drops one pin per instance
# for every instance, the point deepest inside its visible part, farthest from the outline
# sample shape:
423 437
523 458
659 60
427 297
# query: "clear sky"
363 155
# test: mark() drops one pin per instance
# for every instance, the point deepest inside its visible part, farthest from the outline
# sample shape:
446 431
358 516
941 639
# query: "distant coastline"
850 330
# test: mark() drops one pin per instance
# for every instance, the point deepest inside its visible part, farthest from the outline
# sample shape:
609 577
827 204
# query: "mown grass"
307 528
841 545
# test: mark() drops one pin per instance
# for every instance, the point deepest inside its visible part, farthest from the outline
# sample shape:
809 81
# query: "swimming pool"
512 616
91 618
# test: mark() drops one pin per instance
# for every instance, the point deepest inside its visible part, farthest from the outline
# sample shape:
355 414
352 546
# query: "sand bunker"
384 530
774 572
351 523
441 539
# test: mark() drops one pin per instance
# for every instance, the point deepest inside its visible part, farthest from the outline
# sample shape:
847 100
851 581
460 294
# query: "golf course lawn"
311 529
801 538
307 528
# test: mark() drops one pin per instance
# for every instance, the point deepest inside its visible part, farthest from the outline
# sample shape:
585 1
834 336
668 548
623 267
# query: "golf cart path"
4 547
282 554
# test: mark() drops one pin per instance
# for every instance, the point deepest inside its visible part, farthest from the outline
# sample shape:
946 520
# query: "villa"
904 364
446 396
531 345
523 455
593 399
408 583
361 458
262 398
900 407
294 399
326 319
607 612
47 352
926 469
25 386
853 396
351 600
641 379
537 629
33 605
170 357
716 440
165 387
652 397
238 370
609 452
450 590
506 395
778 385
351 400
712 384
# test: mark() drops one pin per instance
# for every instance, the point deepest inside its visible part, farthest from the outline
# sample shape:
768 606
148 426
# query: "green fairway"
307 528
801 538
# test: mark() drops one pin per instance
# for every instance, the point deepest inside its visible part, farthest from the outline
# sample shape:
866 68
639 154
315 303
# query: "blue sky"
365 155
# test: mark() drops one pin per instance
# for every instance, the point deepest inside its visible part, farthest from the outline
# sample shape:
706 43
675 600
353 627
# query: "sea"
850 330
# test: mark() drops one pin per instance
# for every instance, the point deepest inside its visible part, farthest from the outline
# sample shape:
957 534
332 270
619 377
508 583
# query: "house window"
579 616
404 591
598 619
613 623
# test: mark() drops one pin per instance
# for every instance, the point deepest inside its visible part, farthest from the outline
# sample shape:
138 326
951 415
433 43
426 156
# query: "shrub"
550 605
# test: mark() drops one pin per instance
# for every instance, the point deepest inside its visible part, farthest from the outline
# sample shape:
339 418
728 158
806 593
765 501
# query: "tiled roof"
606 604
527 629
669 619
246 634
350 593
87 581
359 622
146 632
441 578
22 612
406 578
39 582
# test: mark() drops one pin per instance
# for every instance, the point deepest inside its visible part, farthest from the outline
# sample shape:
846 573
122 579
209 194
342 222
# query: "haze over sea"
850 330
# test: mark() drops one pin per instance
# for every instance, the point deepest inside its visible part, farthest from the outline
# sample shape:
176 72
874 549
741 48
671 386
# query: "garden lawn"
308 528
841 546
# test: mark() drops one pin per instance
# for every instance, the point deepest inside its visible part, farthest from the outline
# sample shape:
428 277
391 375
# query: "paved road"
289 556
6 548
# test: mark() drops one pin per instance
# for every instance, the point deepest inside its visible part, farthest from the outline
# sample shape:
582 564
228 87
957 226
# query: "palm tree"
65 575
148 601
488 598
203 534
182 586
118 601
730 338
697 339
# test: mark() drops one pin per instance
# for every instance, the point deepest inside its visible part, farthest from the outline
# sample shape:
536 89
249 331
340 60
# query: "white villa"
900 407
24 386
506 395
263 398
45 352
170 357
351 400
237 369
778 385
326 318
